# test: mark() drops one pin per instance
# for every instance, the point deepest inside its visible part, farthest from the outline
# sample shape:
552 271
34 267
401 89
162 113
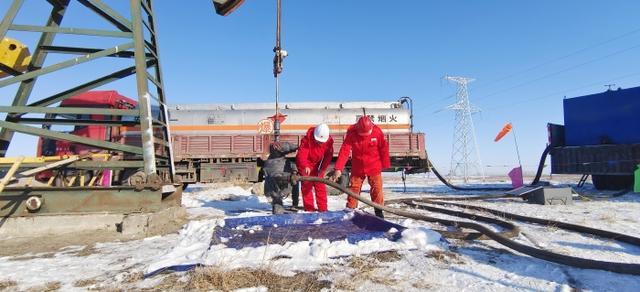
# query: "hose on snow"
622 268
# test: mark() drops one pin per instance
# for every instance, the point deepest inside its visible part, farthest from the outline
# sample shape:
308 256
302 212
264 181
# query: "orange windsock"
505 130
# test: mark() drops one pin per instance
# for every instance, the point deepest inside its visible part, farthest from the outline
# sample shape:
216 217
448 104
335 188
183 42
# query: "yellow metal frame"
7 177
52 163
43 159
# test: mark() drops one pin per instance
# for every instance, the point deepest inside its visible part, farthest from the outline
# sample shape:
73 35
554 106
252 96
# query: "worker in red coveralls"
313 158
369 156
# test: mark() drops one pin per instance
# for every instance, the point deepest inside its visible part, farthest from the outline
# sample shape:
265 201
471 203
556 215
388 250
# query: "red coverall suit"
369 156
316 156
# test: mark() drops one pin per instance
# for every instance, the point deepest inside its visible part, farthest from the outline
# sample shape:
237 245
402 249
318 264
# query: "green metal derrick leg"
134 38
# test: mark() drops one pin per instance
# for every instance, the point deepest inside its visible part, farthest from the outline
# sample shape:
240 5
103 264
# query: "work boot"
379 213
295 196
278 209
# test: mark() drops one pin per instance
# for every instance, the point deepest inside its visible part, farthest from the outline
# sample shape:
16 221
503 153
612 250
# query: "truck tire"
612 182
600 182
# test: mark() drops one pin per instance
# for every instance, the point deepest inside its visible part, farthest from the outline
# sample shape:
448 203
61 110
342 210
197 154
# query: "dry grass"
387 256
366 268
5 284
85 282
213 278
422 284
133 277
31 257
446 257
86 251
363 264
49 286
208 278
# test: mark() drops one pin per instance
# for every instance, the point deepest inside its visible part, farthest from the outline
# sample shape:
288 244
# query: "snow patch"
214 202
305 255
199 196
194 243
253 289
420 237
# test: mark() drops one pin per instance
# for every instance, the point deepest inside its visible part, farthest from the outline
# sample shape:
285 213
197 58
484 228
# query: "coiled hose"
622 268
547 222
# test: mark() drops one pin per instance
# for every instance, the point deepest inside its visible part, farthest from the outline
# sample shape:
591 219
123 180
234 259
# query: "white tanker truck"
228 142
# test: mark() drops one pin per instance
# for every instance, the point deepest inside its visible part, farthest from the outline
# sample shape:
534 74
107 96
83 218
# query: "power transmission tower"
465 156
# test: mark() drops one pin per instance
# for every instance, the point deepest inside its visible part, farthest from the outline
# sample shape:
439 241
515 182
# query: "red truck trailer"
220 142
118 129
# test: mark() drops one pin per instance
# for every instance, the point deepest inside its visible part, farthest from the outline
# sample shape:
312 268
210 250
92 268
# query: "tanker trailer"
228 142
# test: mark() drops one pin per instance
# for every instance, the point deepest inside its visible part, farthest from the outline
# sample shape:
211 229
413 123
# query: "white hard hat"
321 133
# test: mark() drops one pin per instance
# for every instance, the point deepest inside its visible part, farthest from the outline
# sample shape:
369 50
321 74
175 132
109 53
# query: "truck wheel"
612 182
623 182
599 182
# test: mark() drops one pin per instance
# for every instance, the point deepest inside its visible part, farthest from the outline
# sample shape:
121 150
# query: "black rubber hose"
547 222
455 198
622 268
511 229
447 183
543 158
535 181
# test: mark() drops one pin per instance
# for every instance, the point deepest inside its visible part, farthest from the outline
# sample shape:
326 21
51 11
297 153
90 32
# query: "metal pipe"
277 69
409 101
146 127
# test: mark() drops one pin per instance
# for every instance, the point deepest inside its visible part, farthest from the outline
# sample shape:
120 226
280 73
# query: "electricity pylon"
465 156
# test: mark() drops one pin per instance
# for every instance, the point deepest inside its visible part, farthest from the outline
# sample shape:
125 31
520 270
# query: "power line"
565 91
576 52
560 71
555 93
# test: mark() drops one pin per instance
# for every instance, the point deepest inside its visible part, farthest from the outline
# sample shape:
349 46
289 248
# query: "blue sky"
525 56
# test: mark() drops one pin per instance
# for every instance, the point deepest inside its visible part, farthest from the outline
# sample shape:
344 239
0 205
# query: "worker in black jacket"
277 172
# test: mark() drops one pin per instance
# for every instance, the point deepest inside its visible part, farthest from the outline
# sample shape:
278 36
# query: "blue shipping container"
611 117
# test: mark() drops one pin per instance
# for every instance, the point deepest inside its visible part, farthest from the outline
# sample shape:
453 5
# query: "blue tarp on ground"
279 229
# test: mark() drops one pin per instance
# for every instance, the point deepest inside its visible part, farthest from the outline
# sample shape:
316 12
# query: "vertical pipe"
276 70
513 132
146 129
160 91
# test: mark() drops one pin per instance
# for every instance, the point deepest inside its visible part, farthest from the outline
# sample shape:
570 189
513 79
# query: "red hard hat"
364 125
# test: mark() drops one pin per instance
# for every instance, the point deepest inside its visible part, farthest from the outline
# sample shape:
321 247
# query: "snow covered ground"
421 262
